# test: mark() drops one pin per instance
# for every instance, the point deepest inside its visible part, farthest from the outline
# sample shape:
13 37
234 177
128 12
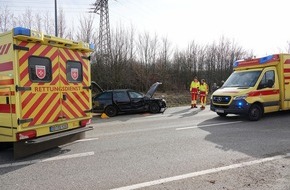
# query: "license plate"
220 111
58 128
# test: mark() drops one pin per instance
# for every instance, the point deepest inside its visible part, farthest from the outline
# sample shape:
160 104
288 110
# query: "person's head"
195 79
202 81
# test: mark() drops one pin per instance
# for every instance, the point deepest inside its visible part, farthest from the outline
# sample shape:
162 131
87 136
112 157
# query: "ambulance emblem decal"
40 71
74 72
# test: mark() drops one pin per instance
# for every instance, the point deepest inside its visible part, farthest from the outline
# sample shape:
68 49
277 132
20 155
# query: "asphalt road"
180 149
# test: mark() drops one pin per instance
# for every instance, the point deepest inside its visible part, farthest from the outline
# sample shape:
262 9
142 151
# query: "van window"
268 78
39 69
74 71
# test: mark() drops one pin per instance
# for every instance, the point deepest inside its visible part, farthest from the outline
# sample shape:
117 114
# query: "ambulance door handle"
64 97
7 100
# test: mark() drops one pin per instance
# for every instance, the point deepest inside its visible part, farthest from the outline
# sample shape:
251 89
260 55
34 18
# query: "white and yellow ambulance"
257 86
45 93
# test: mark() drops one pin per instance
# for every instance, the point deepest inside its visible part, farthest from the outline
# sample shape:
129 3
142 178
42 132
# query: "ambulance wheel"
222 114
255 112
154 107
111 111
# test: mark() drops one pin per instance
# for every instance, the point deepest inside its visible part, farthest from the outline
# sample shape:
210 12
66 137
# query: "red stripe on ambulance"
43 110
84 104
69 109
4 49
287 61
7 82
76 106
46 50
32 50
8 66
7 108
7 93
69 54
263 93
33 107
53 110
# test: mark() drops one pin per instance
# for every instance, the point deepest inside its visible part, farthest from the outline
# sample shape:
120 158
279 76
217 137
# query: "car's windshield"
242 79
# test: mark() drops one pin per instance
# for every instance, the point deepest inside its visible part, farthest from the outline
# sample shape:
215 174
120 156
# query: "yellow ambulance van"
45 92
257 86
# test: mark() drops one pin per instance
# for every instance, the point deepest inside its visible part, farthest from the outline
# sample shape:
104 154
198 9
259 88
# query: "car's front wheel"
255 113
111 111
154 107
222 114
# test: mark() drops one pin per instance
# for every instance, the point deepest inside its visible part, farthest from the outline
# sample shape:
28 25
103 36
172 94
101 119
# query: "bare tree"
6 19
147 48
48 24
27 18
61 25
86 30
38 22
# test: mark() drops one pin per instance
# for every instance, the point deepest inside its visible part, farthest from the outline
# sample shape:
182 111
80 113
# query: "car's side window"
121 96
105 96
133 94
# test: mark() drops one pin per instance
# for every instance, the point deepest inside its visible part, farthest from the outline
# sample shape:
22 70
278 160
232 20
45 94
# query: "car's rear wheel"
111 111
154 107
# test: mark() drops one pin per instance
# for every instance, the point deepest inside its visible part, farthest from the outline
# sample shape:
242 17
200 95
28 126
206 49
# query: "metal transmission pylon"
104 41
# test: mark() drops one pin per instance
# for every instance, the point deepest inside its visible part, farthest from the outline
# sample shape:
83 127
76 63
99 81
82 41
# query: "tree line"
138 59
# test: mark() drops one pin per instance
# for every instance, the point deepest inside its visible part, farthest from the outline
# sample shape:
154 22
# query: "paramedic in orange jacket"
194 88
203 91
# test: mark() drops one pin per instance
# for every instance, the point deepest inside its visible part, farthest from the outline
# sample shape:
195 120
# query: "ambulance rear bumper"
29 147
58 135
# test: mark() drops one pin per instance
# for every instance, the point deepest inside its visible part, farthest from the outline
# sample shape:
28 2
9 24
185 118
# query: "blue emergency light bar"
256 61
22 31
266 59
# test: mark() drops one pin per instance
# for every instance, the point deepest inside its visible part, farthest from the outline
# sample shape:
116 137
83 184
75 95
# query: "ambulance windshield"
242 79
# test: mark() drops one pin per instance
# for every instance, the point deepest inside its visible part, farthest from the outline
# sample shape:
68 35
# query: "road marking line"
200 126
200 173
84 140
81 140
47 159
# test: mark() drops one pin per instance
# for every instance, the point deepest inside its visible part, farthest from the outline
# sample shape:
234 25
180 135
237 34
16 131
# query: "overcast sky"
260 26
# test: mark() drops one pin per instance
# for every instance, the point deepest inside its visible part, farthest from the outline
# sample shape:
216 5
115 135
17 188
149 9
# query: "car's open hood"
96 86
152 89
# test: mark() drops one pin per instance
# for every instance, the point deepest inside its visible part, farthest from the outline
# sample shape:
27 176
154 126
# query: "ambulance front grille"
221 99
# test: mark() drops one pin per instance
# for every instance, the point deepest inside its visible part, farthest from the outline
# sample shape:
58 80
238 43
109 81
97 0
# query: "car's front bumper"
236 107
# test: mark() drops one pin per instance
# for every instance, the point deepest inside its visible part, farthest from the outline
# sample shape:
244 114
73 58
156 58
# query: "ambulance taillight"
83 123
26 135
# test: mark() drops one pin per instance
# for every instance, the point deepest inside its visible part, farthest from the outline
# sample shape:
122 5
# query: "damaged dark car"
114 102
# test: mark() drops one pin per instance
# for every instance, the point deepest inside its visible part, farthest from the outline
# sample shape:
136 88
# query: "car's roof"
120 90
